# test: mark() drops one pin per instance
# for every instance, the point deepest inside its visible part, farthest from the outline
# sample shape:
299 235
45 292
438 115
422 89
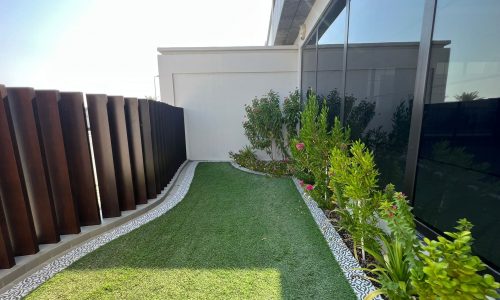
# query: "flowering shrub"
312 149
397 257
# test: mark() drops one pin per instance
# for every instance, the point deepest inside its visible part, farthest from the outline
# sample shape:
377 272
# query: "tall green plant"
353 181
313 146
291 114
450 271
399 248
263 126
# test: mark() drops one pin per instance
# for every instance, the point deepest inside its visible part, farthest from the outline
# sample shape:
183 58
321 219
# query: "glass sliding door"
382 53
458 170
309 63
331 40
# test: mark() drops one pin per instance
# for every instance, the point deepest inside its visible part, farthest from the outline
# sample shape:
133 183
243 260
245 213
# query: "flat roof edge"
169 50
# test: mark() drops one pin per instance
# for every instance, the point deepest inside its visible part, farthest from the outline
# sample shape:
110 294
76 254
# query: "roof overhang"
286 19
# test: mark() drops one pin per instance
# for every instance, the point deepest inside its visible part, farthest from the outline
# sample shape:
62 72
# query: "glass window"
331 39
458 171
309 59
382 54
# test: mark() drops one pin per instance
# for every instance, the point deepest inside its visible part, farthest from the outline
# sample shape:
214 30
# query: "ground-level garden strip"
240 235
340 174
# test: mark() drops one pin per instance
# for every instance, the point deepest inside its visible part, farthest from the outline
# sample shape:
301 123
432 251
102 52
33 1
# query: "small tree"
263 126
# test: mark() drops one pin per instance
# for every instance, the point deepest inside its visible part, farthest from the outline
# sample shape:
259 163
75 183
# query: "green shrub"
291 114
392 270
450 271
398 250
263 126
311 149
353 181
247 158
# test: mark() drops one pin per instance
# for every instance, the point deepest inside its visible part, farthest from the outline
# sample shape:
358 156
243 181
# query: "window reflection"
459 166
331 39
383 46
309 65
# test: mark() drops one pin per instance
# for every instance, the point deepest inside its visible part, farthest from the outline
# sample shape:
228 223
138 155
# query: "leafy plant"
450 271
354 184
291 114
392 271
398 255
467 96
263 126
313 146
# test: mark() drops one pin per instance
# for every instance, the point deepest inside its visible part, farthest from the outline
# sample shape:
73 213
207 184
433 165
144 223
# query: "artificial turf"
234 236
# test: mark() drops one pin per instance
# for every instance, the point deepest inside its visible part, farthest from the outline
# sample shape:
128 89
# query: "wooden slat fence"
47 179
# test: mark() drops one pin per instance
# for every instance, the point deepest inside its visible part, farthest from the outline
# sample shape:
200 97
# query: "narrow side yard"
235 235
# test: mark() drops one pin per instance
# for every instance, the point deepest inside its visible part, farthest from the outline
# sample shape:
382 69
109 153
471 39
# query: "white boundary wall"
214 84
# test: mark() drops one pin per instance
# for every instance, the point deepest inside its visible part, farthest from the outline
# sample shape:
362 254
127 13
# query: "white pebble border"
340 251
31 282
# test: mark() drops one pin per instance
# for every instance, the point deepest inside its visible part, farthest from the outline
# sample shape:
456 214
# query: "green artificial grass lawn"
235 235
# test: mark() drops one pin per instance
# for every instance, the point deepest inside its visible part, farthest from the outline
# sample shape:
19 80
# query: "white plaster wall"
214 84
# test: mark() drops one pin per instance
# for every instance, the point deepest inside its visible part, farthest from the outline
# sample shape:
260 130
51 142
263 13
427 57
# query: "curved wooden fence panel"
48 183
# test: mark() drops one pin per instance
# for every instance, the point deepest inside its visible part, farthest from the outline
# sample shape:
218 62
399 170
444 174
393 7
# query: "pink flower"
300 146
301 182
309 187
394 207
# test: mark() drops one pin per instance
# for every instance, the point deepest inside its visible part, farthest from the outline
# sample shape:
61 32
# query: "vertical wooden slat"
103 153
163 119
183 135
147 148
12 190
6 253
76 142
20 101
154 133
52 143
135 149
121 155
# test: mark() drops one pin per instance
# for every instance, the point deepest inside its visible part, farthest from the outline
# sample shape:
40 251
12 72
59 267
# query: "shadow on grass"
235 235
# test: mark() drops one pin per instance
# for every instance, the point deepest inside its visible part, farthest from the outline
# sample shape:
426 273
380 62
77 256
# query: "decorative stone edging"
347 262
34 280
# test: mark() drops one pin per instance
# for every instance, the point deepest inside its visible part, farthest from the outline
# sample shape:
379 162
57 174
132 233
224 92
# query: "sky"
110 46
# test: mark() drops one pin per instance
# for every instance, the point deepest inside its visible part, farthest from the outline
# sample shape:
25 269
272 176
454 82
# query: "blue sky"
109 46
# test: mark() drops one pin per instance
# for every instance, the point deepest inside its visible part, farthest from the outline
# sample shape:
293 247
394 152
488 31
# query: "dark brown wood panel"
20 101
12 190
135 149
6 254
147 148
156 147
52 144
76 143
103 153
121 155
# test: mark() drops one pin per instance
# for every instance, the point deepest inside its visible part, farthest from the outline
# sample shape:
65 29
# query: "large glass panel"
309 62
331 39
383 46
458 171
